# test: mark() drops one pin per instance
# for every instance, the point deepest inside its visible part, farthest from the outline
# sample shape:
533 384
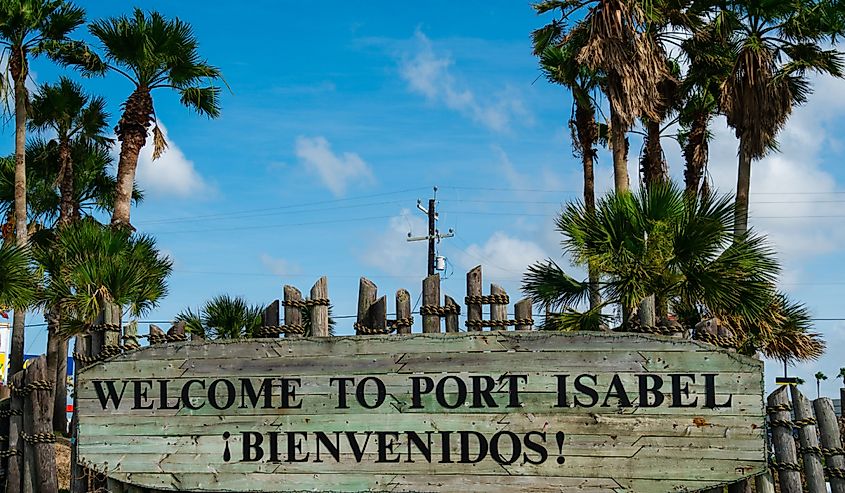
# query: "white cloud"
336 172
502 256
279 266
172 174
392 253
430 74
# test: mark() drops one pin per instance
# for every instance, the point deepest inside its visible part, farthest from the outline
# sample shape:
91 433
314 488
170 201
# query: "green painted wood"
610 448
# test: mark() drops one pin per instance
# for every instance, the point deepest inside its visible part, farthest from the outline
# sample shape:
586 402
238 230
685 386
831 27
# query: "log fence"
805 444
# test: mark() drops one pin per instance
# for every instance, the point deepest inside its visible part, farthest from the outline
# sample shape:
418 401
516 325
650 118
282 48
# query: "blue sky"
342 115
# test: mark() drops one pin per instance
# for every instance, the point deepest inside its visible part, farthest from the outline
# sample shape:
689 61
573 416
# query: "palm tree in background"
559 64
152 52
223 317
819 377
680 249
232 317
29 28
75 119
17 289
775 46
87 265
616 46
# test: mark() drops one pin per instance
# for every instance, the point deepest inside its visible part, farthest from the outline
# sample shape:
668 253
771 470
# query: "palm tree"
16 280
615 45
680 249
29 28
232 317
223 317
87 265
773 51
152 53
819 377
559 65
841 375
74 118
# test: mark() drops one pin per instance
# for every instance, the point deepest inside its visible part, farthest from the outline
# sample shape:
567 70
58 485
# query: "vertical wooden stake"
157 336
14 467
498 311
367 293
270 316
377 317
320 313
789 480
111 335
764 483
743 486
177 331
431 297
813 472
77 473
474 289
829 431
451 318
40 410
403 309
4 428
522 311
293 314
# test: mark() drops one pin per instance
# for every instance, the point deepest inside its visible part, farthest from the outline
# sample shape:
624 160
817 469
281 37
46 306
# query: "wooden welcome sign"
485 411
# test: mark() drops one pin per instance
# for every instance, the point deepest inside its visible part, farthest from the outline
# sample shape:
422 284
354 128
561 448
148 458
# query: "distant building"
837 406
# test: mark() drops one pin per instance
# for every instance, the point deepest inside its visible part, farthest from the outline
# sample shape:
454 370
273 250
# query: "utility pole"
434 235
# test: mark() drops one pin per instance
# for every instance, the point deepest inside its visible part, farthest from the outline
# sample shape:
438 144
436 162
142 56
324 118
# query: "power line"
265 226
283 207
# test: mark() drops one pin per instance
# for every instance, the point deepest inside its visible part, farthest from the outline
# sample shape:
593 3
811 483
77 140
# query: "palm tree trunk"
60 400
132 134
619 147
66 184
743 184
18 69
587 130
696 153
53 337
653 164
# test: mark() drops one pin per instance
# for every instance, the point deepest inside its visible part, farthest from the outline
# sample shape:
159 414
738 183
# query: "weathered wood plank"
501 393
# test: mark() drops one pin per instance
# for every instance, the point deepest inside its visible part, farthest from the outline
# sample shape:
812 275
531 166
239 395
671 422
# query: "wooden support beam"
367 294
474 311
431 297
403 310
785 453
522 311
451 318
830 439
293 314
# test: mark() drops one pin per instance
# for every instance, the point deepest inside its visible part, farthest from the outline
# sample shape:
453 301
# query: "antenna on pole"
435 262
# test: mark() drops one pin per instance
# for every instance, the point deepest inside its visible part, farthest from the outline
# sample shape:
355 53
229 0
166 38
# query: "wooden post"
60 399
831 440
177 332
743 486
452 317
130 335
367 294
431 297
4 432
474 290
498 311
78 483
157 336
14 467
403 310
293 314
764 484
809 439
781 423
111 332
270 316
40 410
377 317
842 402
522 312
320 313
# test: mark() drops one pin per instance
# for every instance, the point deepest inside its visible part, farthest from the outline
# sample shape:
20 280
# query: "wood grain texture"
607 447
